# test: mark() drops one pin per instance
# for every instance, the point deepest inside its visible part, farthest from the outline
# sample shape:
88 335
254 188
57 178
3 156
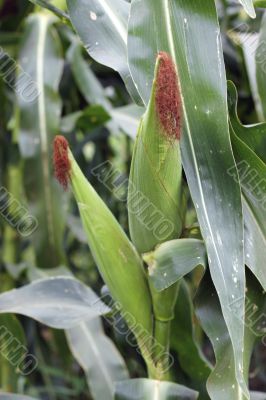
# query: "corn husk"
118 261
154 197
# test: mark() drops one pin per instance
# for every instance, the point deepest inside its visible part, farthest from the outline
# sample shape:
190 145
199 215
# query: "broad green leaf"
222 383
252 173
147 389
189 31
98 356
61 302
40 108
183 342
172 260
261 65
102 27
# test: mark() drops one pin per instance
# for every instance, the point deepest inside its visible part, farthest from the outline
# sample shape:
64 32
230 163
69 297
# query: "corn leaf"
61 302
98 356
254 136
147 389
40 59
189 31
183 342
252 172
174 259
222 383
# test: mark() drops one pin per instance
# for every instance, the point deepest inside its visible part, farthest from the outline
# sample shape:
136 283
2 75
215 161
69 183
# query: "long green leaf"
61 302
222 383
183 342
252 172
254 136
98 356
40 58
147 389
189 31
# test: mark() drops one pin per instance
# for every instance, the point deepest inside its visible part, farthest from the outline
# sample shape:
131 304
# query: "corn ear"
154 195
117 260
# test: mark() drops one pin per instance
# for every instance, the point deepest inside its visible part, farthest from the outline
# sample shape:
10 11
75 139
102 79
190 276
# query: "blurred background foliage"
89 104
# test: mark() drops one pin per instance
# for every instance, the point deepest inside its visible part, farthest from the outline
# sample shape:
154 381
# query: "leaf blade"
60 302
190 32
98 356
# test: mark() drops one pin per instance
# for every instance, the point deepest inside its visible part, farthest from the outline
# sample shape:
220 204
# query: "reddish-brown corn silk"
61 161
168 98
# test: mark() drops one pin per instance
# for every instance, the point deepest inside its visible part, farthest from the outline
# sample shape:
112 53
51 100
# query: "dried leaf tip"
61 161
167 97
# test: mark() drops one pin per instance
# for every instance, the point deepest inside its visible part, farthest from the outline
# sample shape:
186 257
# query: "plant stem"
161 346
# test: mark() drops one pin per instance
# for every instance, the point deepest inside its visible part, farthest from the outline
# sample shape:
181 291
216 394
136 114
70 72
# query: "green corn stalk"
118 261
155 203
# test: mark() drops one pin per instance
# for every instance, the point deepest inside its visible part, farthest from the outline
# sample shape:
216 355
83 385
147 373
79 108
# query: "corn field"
133 199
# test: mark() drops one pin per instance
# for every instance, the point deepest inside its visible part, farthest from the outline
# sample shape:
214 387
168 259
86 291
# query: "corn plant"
191 264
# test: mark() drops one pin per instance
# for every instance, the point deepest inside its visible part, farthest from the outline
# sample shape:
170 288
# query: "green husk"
154 198
154 195
115 256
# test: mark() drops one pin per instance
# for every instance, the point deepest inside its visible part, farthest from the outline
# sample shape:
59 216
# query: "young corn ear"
154 195
117 260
